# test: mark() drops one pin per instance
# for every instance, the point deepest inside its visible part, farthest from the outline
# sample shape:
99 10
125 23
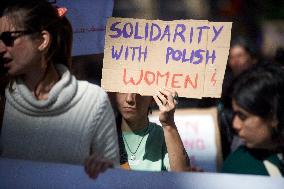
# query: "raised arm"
178 157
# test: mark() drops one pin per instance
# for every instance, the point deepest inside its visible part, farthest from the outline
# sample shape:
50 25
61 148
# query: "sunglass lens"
7 38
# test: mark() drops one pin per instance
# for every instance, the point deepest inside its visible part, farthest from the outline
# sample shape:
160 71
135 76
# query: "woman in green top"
148 147
258 106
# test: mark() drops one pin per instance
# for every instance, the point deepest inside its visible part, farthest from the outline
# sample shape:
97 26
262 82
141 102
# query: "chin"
249 145
129 117
14 73
254 146
11 73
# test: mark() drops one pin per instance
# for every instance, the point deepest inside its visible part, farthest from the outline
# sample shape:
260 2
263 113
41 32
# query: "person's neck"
41 81
134 125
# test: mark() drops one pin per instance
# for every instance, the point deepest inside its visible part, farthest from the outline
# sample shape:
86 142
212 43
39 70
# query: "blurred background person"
242 56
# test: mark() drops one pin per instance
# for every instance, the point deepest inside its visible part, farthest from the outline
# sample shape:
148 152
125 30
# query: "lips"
129 109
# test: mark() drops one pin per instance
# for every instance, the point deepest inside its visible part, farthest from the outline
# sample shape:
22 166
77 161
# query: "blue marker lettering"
213 56
136 35
115 54
179 33
117 30
200 31
125 34
166 32
216 32
199 56
154 38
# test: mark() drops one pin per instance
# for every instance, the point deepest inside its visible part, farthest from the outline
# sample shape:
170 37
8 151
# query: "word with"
154 32
127 52
172 80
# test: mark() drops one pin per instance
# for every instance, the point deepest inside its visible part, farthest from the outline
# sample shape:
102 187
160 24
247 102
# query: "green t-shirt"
248 161
149 148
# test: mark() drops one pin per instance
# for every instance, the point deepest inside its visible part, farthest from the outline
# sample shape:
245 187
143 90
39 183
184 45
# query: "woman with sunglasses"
49 115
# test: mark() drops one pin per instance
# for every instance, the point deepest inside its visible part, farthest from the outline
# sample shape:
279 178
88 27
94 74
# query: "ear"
45 40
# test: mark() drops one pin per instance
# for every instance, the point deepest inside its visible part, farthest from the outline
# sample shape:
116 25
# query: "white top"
75 121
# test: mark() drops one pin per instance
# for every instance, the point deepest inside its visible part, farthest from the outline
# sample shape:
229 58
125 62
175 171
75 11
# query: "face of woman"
18 50
253 130
133 107
239 59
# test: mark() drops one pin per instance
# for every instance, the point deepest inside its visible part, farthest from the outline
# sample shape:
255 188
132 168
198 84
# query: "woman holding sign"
49 115
149 146
258 106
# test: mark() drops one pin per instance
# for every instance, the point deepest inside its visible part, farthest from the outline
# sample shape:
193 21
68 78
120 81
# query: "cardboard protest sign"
88 19
199 132
143 56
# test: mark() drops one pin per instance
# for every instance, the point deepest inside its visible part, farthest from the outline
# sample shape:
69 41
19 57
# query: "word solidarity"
155 32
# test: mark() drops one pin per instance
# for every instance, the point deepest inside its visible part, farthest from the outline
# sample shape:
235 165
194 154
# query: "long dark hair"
4 80
260 91
3 83
122 150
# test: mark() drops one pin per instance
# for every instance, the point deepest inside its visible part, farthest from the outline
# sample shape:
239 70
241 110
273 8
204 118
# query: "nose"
130 98
237 123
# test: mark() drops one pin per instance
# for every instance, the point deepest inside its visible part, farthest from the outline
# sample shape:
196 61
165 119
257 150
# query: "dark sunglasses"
9 37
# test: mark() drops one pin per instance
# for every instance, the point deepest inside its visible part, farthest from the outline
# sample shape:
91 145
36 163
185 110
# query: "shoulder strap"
272 169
